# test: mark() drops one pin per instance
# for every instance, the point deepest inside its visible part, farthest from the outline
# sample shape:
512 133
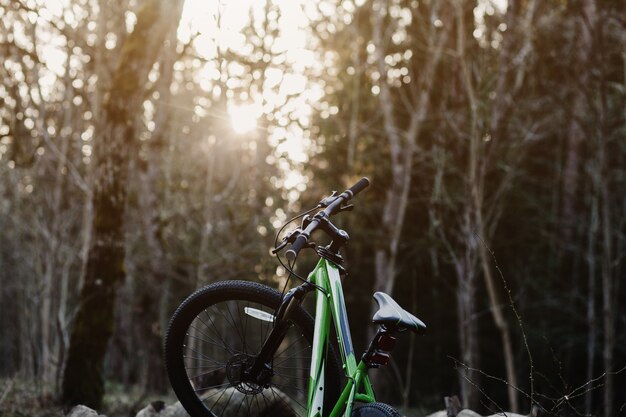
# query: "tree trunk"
477 164
609 293
149 306
576 134
402 144
83 381
503 328
591 304
468 329
608 297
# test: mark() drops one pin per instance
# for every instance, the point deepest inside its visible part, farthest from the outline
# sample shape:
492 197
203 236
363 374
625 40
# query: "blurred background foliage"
493 133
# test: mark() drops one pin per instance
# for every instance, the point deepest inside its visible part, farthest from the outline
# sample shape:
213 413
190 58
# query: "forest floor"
20 398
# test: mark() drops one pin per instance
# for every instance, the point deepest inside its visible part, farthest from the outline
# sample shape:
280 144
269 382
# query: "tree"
83 379
483 209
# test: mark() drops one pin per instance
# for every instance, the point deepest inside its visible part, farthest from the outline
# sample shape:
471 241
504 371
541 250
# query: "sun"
243 118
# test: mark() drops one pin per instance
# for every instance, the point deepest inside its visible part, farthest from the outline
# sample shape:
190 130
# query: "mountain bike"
240 348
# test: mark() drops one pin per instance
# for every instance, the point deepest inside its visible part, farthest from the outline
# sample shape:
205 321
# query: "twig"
476 385
6 390
519 321
489 376
558 403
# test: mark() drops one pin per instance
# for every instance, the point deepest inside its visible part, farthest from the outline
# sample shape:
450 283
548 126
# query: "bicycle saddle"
394 317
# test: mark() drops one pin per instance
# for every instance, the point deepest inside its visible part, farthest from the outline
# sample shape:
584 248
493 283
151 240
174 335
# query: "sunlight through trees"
150 147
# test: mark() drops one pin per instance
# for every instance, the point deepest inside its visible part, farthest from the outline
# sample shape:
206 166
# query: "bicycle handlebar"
303 238
293 251
360 185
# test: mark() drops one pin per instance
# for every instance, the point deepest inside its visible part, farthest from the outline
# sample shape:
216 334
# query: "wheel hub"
237 369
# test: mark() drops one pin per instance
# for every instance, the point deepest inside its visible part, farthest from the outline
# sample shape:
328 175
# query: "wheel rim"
223 340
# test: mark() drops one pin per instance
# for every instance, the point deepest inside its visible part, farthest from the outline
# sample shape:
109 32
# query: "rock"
229 402
148 411
453 405
507 415
157 405
174 410
468 413
158 408
83 411
442 413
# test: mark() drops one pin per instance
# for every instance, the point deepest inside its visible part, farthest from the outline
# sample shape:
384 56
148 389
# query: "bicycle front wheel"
216 334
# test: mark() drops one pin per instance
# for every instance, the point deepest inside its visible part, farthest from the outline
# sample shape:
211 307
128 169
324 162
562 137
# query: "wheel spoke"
206 341
243 331
206 358
292 367
284 386
211 387
290 345
238 408
219 398
215 328
290 397
233 324
228 402
293 356
207 373
210 339
291 377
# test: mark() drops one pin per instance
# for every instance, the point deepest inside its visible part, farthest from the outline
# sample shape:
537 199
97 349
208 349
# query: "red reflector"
379 358
386 342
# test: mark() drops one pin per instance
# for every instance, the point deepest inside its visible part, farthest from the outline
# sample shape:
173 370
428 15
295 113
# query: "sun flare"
243 118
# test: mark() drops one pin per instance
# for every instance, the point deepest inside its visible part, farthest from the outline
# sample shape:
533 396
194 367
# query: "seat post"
382 344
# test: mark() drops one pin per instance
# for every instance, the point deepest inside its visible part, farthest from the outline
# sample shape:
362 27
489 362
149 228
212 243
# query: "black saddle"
394 317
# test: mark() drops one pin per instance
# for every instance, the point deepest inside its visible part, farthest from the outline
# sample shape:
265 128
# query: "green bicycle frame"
358 387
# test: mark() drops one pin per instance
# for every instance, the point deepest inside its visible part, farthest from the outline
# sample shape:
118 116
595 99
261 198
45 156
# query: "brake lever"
305 222
349 207
289 238
279 247
326 201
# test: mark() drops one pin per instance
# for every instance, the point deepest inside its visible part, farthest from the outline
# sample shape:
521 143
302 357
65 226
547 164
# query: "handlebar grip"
360 185
299 243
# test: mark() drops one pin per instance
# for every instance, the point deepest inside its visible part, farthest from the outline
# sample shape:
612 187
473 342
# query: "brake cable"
290 265
289 221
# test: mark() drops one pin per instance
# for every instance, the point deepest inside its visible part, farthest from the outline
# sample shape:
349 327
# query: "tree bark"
576 133
608 295
503 328
150 326
468 329
609 284
83 377
591 304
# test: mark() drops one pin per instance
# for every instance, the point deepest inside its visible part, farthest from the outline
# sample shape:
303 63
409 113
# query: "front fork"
261 370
